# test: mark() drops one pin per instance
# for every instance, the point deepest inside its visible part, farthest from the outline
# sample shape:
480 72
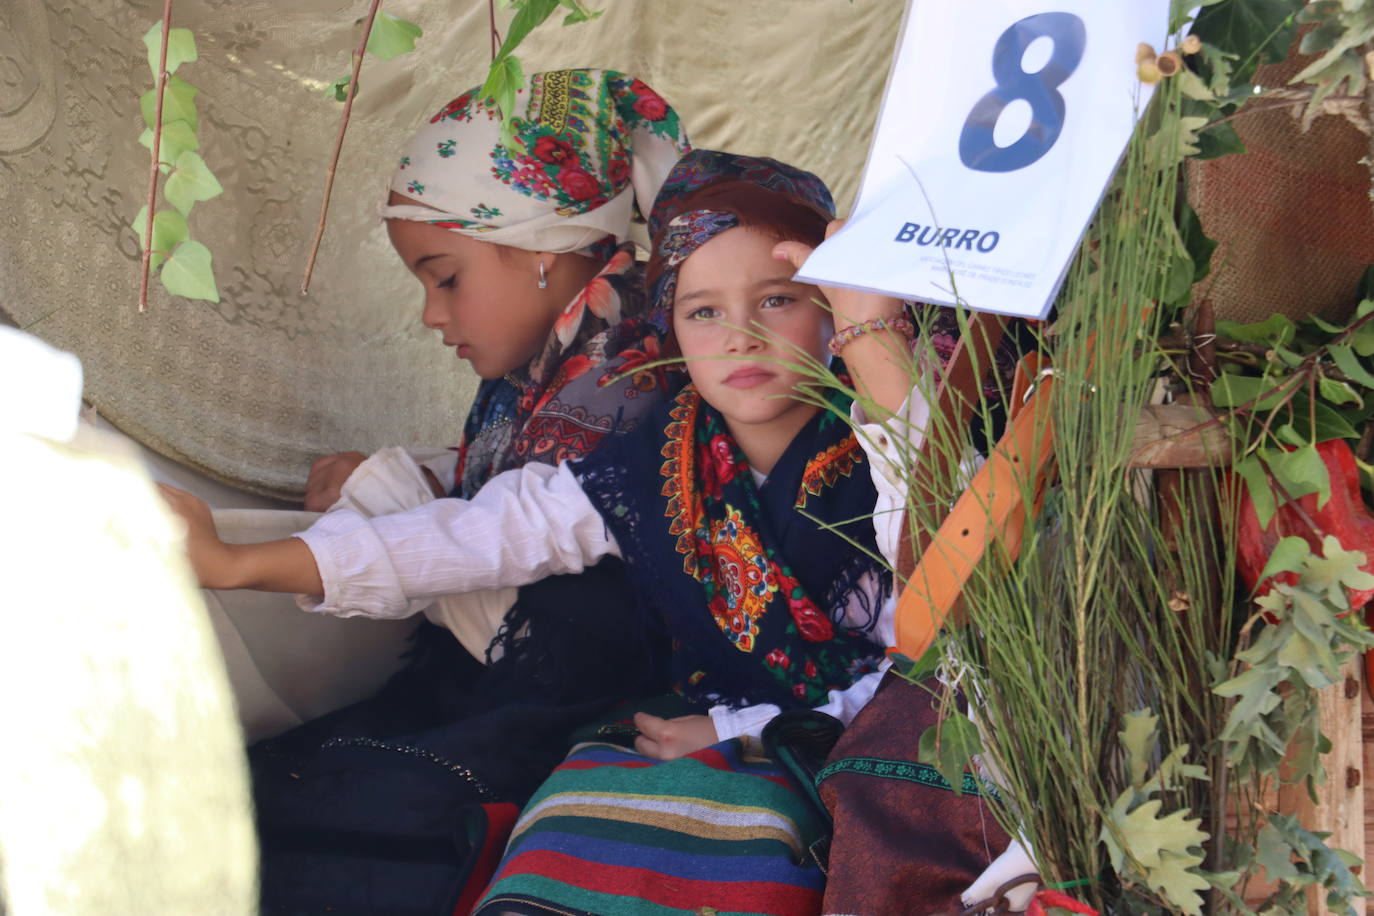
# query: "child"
705 500
519 251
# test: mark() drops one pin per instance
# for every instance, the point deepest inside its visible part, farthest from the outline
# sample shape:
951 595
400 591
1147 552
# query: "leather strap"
974 356
995 507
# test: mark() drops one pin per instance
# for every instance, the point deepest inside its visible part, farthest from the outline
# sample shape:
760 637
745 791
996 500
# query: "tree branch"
338 144
147 264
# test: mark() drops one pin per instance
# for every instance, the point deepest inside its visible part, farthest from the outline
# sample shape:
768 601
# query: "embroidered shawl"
752 582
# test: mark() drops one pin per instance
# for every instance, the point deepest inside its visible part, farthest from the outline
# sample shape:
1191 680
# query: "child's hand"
668 739
326 479
211 558
850 306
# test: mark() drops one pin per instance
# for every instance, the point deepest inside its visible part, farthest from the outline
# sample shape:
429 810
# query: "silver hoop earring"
543 276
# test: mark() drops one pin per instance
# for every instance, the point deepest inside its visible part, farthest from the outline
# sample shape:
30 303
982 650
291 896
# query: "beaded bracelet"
898 322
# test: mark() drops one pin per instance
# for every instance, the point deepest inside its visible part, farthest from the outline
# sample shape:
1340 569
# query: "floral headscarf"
589 145
695 205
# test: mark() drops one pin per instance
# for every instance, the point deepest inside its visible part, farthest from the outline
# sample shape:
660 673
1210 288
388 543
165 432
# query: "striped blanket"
614 833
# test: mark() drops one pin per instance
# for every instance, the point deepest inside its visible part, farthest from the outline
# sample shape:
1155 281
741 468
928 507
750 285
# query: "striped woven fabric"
614 833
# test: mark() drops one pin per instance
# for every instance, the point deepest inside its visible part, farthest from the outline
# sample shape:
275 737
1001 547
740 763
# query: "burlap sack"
1292 215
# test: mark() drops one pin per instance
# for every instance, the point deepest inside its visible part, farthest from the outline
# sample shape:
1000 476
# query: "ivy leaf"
169 230
178 103
177 138
1290 555
339 88
181 48
1178 285
1257 485
191 182
579 12
503 80
1256 31
949 746
1363 340
1350 366
1231 390
1198 245
1218 141
1338 392
528 17
1330 423
1272 331
189 273
391 36
1301 472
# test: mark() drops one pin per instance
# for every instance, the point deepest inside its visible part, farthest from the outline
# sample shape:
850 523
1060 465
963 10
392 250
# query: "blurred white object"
41 386
124 783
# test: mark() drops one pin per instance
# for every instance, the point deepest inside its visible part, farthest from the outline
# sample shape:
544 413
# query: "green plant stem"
491 22
146 268
338 143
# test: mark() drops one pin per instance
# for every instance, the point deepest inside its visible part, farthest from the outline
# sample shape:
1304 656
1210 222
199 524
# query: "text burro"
935 236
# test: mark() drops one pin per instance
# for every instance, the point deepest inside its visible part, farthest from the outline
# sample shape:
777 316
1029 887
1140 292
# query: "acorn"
1144 52
1191 45
1148 72
1169 63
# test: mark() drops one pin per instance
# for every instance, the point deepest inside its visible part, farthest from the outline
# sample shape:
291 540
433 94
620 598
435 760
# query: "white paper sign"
1001 126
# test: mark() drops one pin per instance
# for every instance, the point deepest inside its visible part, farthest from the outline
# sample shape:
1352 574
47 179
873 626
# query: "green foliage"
1300 859
1309 636
1341 30
178 103
189 273
177 138
1315 382
949 747
181 49
391 36
185 265
1253 31
506 75
169 230
1162 851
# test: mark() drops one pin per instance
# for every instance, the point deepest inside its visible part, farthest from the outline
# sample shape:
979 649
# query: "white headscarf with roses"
590 144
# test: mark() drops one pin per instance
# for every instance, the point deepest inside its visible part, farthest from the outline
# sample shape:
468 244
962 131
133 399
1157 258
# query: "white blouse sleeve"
891 449
523 526
843 705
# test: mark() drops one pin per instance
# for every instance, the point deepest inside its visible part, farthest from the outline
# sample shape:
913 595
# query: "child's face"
735 300
483 301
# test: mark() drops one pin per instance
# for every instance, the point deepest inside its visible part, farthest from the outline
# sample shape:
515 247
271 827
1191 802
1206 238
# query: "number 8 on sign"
977 148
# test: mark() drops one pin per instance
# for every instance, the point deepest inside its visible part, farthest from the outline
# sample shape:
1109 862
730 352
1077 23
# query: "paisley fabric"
590 379
759 585
587 146
694 206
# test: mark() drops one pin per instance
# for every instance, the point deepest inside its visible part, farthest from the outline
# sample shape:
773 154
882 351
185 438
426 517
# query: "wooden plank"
1178 436
1340 807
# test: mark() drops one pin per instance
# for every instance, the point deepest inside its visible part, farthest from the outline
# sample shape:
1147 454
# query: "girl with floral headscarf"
522 249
